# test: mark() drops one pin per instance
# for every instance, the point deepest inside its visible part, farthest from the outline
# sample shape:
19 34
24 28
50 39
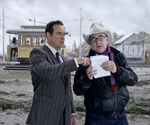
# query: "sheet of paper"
96 62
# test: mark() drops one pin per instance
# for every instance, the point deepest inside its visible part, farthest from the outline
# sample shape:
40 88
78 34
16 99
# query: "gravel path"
16 93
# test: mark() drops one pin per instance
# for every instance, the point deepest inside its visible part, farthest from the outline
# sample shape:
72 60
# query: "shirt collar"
52 49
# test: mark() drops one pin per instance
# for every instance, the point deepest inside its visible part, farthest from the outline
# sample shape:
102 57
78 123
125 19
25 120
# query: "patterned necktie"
57 57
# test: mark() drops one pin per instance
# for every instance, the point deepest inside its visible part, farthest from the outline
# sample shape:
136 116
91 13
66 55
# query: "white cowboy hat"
97 28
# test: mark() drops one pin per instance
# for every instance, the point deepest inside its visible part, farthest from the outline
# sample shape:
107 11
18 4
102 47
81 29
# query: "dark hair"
14 40
49 26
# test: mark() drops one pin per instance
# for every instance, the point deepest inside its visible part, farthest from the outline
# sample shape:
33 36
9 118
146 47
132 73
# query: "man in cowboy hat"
105 97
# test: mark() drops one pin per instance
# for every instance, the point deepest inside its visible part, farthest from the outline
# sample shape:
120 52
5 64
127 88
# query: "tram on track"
28 37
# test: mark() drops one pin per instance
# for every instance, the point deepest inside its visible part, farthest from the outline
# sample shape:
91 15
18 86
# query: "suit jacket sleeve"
72 103
71 94
45 69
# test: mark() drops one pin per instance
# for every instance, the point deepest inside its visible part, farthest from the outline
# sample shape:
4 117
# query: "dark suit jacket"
52 88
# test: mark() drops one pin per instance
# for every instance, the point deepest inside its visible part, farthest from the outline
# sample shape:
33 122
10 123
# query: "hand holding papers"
96 62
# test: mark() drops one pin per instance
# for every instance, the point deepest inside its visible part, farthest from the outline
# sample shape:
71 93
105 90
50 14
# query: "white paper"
96 62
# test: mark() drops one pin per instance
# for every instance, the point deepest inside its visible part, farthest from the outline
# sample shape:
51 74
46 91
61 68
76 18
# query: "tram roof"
17 31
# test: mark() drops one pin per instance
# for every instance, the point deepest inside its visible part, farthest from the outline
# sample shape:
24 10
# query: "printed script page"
96 62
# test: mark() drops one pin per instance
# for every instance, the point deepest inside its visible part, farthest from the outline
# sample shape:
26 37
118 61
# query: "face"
57 39
99 42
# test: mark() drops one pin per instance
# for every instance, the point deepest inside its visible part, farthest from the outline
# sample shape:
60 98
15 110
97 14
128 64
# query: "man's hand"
109 66
83 60
73 120
90 72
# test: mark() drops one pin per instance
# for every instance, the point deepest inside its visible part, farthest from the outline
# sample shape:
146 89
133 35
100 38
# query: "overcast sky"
121 16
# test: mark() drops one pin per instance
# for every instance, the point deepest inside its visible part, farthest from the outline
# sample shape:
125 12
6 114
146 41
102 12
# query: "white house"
133 46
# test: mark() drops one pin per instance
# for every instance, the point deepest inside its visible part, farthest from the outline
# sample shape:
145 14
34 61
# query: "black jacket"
99 97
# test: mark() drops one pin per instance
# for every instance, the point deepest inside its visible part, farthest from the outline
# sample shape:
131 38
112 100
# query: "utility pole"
3 35
81 19
34 21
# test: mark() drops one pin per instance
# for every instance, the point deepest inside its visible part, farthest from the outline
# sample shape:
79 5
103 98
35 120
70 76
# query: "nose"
99 41
63 37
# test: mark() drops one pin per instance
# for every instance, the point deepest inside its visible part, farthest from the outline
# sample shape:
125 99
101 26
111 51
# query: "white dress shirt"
54 52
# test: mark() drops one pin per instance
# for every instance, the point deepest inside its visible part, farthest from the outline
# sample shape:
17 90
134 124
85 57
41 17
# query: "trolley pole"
3 35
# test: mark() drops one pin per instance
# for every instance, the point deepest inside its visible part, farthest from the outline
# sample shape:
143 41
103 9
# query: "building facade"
133 46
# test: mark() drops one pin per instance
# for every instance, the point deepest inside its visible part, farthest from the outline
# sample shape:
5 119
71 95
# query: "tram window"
34 41
41 41
28 40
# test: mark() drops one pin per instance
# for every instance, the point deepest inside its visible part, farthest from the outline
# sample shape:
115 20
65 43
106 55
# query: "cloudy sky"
121 16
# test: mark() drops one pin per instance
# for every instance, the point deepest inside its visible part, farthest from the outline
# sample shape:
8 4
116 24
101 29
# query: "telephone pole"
81 19
34 20
3 35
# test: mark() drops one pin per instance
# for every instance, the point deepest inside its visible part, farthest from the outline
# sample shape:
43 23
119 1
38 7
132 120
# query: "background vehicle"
28 37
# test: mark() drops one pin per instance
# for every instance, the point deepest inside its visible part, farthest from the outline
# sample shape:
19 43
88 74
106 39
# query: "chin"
100 51
62 45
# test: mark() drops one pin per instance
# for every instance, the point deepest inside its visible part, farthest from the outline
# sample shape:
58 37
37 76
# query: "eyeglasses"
99 38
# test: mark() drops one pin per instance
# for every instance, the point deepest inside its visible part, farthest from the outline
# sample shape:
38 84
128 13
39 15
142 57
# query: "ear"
48 35
107 39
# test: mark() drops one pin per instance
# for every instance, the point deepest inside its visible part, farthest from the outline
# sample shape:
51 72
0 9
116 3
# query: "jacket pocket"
123 98
108 105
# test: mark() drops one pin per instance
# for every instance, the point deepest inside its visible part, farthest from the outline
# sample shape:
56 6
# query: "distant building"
133 46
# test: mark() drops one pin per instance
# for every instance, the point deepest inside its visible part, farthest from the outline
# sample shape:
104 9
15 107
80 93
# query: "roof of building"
126 36
122 39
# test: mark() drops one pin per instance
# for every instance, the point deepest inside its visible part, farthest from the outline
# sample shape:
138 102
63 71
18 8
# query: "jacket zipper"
115 101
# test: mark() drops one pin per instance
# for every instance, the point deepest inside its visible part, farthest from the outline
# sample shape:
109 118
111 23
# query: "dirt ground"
16 94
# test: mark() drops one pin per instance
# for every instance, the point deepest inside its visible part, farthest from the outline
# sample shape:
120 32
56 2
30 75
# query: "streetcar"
28 37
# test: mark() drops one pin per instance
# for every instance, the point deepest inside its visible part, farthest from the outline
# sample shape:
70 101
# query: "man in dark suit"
50 71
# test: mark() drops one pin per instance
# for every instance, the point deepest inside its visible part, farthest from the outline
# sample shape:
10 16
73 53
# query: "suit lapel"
53 59
66 76
50 54
63 58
